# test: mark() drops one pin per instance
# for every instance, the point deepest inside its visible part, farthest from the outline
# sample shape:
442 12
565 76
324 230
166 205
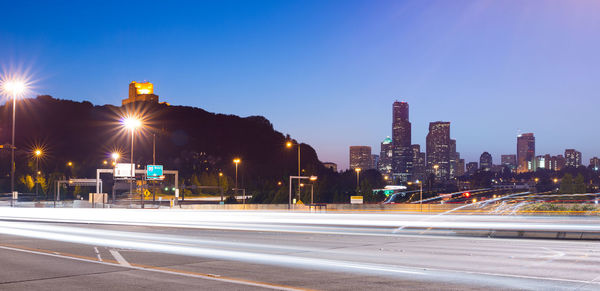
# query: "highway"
128 249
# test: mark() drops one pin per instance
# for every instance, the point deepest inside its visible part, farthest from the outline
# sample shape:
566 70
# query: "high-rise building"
572 158
460 167
360 157
438 149
418 170
509 161
525 152
385 157
454 157
141 92
472 168
595 163
401 141
485 161
375 161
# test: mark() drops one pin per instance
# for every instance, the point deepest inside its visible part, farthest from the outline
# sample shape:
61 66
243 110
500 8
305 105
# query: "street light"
420 194
357 170
312 179
290 144
132 123
38 154
236 161
14 88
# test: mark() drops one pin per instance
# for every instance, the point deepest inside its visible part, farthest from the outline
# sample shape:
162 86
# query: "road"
278 250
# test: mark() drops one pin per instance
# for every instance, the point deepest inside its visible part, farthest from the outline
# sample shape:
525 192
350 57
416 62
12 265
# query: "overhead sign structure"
154 172
124 170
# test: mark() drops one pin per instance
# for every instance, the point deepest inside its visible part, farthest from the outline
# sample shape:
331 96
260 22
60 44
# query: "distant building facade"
140 92
401 141
485 161
595 163
572 158
418 166
360 157
374 161
472 168
385 156
509 161
438 150
460 167
330 165
525 152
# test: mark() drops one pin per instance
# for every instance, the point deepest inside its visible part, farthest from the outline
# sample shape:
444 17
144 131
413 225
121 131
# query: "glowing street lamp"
357 170
37 153
132 123
14 88
290 144
236 161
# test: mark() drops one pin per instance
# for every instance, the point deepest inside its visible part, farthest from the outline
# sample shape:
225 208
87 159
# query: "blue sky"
327 72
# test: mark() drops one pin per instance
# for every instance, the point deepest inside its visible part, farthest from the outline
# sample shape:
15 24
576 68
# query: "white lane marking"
98 254
119 258
206 277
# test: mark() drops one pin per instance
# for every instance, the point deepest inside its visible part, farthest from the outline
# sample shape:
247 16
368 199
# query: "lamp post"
289 144
420 194
14 88
312 179
220 189
115 156
37 154
132 123
357 170
236 161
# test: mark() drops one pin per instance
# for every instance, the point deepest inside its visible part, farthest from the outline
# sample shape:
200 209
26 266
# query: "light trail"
186 247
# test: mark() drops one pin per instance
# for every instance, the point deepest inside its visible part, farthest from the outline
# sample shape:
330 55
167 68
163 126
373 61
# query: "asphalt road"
74 256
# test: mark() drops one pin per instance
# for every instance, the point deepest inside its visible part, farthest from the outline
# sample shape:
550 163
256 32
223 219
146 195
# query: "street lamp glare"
288 144
115 155
38 153
15 87
313 178
357 170
132 122
237 161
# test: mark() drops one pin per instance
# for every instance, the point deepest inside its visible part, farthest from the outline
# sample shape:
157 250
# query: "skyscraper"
401 141
595 163
509 161
525 152
572 158
454 157
438 149
472 168
418 170
485 161
385 157
360 157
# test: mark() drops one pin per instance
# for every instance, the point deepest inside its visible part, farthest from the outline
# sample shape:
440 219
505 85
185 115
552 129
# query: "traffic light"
467 194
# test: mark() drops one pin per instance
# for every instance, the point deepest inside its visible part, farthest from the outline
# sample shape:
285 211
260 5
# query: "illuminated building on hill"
141 92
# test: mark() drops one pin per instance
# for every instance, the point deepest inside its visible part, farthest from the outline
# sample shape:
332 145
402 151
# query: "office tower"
485 161
454 157
525 152
418 170
360 157
460 167
385 157
438 150
401 141
595 163
375 161
509 161
572 158
472 168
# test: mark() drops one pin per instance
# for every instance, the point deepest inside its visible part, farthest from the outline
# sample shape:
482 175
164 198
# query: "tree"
567 184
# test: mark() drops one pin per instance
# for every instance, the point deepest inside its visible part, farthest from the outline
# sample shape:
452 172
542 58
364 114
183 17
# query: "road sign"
124 170
147 193
154 172
356 200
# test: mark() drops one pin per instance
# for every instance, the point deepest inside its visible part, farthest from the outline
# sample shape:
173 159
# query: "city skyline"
492 69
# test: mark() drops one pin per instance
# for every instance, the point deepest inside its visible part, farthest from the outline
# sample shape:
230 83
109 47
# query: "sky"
327 72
